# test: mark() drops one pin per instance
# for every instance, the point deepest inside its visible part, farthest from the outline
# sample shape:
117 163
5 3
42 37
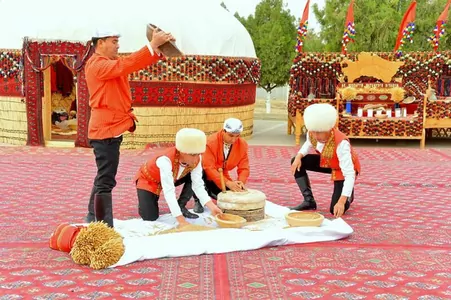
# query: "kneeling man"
333 154
227 150
172 167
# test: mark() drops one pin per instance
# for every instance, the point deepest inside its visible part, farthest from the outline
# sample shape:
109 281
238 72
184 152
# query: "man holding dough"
227 150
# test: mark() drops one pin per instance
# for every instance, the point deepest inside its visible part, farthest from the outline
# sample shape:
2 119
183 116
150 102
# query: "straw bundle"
160 124
349 93
397 94
108 254
13 121
90 239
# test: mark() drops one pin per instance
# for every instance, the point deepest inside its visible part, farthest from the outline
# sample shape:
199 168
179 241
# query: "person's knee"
104 188
105 184
148 214
149 217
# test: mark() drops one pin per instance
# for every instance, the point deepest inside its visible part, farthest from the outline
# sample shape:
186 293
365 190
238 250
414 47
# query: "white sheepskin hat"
320 117
191 141
233 125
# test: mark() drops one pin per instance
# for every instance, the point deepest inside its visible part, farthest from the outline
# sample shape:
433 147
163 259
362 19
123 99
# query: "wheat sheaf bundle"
397 94
98 246
349 93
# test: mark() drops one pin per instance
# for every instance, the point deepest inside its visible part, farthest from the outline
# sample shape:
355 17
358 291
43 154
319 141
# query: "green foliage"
313 42
273 31
377 23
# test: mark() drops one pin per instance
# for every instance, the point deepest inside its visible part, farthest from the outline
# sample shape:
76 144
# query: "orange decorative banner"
439 29
406 28
302 29
349 32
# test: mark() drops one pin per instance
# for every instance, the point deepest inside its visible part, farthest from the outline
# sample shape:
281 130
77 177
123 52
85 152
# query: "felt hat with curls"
191 141
320 117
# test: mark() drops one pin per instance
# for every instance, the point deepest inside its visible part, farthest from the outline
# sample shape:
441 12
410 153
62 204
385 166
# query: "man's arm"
106 69
167 184
347 167
305 149
209 165
198 184
243 166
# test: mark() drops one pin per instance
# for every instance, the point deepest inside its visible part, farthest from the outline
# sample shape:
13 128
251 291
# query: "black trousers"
311 162
107 160
148 202
212 189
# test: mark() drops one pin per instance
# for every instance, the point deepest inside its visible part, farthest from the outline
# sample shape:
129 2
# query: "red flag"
439 29
407 27
349 32
302 29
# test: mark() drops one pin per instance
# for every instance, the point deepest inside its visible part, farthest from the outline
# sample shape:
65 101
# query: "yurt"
44 99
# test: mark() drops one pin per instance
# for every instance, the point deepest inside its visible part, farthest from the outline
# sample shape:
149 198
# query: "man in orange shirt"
172 167
332 154
226 150
111 110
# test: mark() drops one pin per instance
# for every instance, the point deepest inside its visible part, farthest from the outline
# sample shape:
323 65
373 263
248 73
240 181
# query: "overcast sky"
296 7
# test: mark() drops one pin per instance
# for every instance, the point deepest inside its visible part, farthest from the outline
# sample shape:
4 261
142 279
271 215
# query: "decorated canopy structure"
424 77
415 86
42 69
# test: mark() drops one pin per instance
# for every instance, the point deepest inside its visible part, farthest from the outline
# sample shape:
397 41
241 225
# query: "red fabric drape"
64 80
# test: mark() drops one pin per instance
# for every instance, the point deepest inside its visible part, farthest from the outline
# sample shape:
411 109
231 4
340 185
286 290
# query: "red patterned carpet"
401 248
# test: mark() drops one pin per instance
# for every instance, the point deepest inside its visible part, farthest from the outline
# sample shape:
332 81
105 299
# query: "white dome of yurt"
201 27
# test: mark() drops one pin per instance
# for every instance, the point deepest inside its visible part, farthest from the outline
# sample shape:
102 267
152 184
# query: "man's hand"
296 165
182 222
233 186
241 185
339 208
159 38
215 210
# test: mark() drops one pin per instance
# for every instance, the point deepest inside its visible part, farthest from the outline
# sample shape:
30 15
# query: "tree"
273 32
377 23
224 6
313 42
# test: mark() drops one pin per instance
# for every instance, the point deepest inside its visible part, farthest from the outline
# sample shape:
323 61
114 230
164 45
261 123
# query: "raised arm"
106 69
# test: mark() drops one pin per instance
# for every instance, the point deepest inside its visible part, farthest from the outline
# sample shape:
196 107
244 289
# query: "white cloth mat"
141 244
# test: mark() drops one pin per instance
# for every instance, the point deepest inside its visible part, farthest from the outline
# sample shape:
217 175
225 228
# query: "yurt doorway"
59 106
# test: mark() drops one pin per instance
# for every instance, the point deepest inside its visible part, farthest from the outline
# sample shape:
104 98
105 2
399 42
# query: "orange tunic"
148 177
329 158
109 90
213 159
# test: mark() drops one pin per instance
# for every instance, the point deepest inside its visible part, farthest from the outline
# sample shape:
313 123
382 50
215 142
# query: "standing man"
226 150
173 167
333 154
111 110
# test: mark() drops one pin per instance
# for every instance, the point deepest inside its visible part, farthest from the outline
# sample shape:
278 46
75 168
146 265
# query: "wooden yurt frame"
37 57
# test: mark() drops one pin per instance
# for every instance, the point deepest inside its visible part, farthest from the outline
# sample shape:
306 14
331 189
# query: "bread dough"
246 200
